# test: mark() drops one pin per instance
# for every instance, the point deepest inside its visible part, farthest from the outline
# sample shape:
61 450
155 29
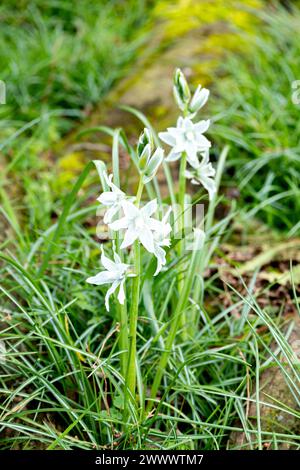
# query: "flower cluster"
124 213
137 223
187 137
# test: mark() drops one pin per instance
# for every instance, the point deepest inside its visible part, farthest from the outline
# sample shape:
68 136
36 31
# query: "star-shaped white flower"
161 238
203 173
186 137
138 223
111 199
115 274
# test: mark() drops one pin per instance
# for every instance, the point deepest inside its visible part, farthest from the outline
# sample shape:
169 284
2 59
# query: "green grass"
59 58
61 386
60 382
256 114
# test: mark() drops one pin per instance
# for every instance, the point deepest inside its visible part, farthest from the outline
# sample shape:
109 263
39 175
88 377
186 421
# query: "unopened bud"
199 99
146 138
181 90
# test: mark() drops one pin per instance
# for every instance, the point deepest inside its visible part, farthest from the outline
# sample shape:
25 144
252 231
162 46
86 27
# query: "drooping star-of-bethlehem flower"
111 199
115 275
203 173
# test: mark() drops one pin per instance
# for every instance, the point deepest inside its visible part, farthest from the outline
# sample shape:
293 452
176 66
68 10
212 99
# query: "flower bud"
199 99
144 157
181 90
153 164
146 138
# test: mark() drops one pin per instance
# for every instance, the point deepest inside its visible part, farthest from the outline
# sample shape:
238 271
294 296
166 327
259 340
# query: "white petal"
203 143
121 295
210 185
107 263
119 224
161 259
109 182
202 126
155 225
209 170
110 291
146 238
180 121
110 213
104 277
167 138
188 124
129 238
107 199
150 208
191 152
173 156
130 209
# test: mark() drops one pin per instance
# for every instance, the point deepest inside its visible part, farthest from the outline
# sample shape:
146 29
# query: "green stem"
139 192
123 337
182 186
174 326
122 309
130 385
131 372
181 200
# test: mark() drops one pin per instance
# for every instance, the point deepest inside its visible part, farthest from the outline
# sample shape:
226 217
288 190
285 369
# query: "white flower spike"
139 224
111 199
203 173
186 137
115 274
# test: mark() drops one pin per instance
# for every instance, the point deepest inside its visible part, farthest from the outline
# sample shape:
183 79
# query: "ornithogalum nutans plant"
144 236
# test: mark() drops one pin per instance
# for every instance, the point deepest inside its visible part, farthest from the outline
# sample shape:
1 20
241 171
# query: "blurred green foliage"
257 114
62 55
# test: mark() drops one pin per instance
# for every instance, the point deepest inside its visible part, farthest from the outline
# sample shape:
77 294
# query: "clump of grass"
61 379
58 56
261 120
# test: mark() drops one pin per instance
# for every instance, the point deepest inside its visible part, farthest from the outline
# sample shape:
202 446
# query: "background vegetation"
236 382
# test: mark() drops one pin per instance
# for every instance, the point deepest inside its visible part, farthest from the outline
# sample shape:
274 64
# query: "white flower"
111 199
203 173
139 224
161 238
115 274
198 101
186 137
